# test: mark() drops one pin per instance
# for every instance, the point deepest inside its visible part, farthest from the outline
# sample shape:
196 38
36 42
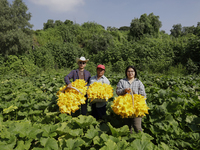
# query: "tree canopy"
146 24
15 29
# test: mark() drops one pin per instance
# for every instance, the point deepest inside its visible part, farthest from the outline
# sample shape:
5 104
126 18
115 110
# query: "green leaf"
8 145
65 117
110 145
104 127
74 143
9 109
21 145
91 134
194 122
193 119
119 132
35 112
142 145
22 113
76 132
84 121
98 141
122 145
107 137
163 146
49 143
142 136
52 113
183 144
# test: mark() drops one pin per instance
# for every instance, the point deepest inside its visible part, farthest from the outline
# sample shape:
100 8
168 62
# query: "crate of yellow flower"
69 99
98 92
126 107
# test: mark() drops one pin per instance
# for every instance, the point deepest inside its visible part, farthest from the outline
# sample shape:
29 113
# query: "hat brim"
78 59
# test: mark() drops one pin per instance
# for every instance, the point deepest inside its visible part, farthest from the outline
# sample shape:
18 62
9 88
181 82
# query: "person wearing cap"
99 108
79 73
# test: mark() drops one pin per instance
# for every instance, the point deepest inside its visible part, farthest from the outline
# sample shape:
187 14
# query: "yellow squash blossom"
70 99
123 106
97 90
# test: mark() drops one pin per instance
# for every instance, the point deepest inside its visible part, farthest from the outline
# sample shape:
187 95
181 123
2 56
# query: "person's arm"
120 88
106 81
141 89
68 77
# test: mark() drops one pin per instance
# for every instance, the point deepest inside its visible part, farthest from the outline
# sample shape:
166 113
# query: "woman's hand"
127 90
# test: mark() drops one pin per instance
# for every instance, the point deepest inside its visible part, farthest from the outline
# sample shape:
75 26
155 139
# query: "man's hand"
69 85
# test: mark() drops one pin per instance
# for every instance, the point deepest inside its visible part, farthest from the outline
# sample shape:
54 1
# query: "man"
99 108
79 73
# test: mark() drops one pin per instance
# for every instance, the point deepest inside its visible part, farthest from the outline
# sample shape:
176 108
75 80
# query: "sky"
114 13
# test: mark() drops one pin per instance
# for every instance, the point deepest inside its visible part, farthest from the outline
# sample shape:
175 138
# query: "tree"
68 22
176 30
49 24
187 30
197 29
146 24
124 28
15 29
58 23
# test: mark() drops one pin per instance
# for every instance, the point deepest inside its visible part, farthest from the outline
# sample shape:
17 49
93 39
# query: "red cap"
101 66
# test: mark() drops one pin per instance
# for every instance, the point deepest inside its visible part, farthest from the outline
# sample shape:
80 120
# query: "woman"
124 86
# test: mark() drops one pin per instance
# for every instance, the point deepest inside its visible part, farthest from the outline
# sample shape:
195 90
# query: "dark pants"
135 123
84 108
98 113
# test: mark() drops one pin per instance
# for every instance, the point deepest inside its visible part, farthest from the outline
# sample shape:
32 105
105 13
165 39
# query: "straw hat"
81 59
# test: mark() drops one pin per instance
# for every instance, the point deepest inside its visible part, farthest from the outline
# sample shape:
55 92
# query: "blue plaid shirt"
74 75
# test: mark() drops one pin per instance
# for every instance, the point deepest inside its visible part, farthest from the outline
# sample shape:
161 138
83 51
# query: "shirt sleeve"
141 89
120 89
107 81
68 77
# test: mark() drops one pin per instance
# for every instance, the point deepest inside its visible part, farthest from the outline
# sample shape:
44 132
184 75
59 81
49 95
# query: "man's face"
81 64
100 72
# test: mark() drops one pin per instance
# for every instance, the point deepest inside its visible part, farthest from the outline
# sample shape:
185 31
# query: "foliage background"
34 64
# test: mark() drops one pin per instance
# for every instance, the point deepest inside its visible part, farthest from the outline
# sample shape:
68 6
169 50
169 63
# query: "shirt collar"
101 76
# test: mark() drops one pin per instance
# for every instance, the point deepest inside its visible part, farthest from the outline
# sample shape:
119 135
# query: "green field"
30 118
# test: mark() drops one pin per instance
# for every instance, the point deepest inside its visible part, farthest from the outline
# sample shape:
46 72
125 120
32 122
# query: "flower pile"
97 90
123 106
70 100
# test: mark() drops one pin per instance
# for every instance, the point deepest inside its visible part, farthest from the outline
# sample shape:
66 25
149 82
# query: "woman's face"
130 73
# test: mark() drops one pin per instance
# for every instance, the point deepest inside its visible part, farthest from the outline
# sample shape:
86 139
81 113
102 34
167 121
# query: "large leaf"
8 144
107 137
142 145
110 145
21 145
163 146
84 121
68 132
119 132
91 134
74 143
194 122
49 143
142 136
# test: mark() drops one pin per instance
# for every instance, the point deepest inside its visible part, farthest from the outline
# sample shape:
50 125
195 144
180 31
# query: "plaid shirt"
74 74
136 86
